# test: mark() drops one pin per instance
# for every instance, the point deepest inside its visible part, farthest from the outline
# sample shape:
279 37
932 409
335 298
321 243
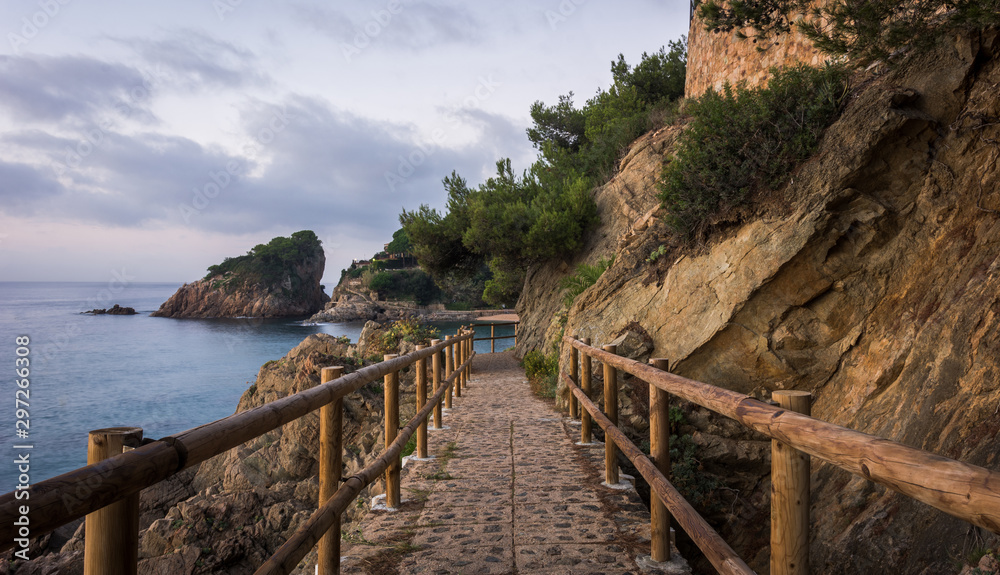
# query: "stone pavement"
507 492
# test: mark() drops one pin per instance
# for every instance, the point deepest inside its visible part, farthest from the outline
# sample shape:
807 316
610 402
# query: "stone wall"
717 58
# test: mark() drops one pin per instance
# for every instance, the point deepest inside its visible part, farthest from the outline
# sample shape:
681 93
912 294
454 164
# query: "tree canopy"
512 220
400 243
269 264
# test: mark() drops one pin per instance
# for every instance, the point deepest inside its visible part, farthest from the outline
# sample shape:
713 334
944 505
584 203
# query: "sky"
149 140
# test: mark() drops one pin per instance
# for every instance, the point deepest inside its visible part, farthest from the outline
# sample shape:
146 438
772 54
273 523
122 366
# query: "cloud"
409 24
59 88
302 164
328 167
194 61
499 135
22 187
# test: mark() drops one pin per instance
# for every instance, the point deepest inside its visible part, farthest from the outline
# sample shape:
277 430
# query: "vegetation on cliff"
586 275
746 139
268 265
411 330
860 31
409 285
393 274
511 221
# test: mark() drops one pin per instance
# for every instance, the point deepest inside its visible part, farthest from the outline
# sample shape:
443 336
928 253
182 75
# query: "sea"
88 372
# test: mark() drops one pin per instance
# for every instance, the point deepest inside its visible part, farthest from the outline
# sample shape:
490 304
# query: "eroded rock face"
877 288
207 298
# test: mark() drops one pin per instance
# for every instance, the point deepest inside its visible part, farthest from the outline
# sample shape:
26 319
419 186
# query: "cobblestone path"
507 492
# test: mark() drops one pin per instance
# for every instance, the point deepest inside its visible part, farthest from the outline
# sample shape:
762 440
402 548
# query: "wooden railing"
965 491
493 337
106 491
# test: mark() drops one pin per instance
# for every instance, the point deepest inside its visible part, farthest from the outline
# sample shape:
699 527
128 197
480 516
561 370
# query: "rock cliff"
872 280
264 283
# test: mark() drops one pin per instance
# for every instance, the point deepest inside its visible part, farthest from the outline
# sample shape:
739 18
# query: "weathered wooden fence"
965 491
493 337
107 489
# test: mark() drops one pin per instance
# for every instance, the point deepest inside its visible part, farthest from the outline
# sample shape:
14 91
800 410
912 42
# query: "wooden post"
459 360
449 367
659 451
470 346
493 347
436 382
611 409
421 401
465 356
391 382
515 333
331 459
112 543
585 377
574 355
790 496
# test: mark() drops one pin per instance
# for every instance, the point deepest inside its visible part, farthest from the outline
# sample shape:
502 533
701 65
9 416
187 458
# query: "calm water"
164 375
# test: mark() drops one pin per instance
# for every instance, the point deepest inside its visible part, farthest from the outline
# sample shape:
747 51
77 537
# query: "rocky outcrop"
872 281
203 299
358 305
114 310
294 290
352 303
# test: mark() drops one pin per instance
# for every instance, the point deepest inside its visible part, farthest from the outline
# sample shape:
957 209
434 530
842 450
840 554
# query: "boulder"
114 310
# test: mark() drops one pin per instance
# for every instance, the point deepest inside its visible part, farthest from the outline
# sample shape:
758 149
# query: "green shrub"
744 139
409 285
542 372
585 276
407 329
657 253
410 447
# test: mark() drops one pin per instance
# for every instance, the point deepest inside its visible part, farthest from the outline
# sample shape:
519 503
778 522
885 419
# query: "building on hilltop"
716 58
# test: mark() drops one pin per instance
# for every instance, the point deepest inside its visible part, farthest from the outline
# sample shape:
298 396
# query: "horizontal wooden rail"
715 548
287 558
966 491
493 337
72 495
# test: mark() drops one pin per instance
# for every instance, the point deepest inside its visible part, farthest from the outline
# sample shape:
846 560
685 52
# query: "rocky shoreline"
357 306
